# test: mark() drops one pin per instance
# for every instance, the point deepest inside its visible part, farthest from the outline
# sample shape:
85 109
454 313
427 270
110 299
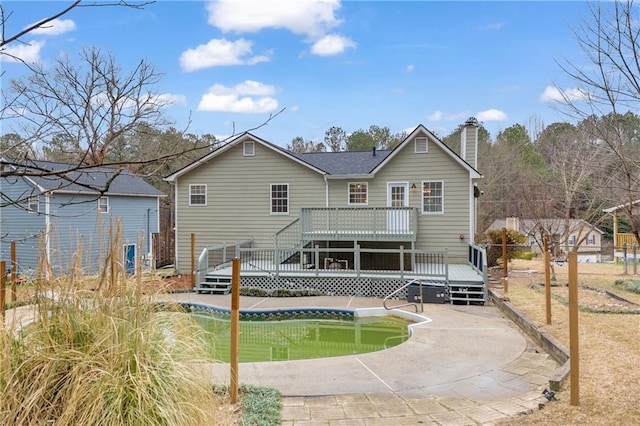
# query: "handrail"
202 267
384 301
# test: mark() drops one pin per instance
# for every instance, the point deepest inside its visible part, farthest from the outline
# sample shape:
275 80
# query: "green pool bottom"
303 338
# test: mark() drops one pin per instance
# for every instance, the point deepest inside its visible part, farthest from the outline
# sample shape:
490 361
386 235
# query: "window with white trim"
33 204
591 239
358 193
421 145
571 240
279 198
103 204
433 196
198 195
248 149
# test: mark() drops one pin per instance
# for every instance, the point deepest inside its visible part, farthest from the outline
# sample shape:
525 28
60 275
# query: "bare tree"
17 37
606 88
91 103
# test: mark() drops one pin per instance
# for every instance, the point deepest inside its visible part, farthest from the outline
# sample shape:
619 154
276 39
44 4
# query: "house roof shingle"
344 162
90 180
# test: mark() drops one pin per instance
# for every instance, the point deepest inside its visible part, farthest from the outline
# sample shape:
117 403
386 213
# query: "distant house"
622 240
57 208
420 196
563 236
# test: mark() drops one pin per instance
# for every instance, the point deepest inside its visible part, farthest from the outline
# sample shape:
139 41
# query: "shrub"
494 249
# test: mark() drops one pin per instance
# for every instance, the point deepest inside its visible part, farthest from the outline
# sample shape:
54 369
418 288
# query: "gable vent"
421 145
248 149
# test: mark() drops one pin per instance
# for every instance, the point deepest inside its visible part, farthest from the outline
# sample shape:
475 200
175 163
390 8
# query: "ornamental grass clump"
106 356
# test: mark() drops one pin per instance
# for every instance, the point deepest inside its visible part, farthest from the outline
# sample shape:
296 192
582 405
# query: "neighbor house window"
33 204
103 204
432 197
279 198
249 149
421 145
571 240
197 195
591 239
358 193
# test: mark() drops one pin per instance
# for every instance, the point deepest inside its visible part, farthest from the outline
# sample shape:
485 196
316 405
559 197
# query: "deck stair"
214 284
467 293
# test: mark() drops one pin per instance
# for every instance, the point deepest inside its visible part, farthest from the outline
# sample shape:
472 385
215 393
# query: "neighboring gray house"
419 196
563 236
56 211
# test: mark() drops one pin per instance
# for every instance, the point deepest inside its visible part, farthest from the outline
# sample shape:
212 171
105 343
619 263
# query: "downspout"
148 232
47 226
175 225
153 255
326 191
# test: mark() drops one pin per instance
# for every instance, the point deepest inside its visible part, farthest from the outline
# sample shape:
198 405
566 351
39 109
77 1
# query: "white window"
571 240
198 195
433 196
33 204
591 239
279 198
358 193
103 204
421 145
249 149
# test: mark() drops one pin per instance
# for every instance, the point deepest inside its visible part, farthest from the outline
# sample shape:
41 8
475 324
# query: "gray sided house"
420 196
563 236
54 210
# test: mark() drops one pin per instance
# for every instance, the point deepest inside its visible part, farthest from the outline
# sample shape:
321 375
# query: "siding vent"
421 145
249 149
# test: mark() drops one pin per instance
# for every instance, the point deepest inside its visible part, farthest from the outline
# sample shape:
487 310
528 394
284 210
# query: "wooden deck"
464 284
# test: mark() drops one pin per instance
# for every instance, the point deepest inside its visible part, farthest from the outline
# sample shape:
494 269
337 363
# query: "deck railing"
350 262
218 255
362 223
478 261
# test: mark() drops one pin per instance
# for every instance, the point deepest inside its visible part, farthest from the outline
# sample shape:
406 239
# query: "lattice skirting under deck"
338 286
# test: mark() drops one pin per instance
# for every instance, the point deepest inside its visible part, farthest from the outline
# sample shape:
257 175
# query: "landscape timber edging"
545 340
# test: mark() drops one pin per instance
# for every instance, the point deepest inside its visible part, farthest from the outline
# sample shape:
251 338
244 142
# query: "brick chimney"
469 142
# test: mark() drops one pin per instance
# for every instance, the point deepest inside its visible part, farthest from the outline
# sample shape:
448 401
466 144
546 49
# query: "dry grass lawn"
609 391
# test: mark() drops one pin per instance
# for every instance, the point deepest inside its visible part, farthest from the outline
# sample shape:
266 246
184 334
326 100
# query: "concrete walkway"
467 366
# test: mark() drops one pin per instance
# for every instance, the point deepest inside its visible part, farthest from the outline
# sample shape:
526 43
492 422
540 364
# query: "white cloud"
439 116
146 101
493 26
55 27
492 115
171 99
435 116
247 97
331 44
26 52
219 52
553 94
410 68
310 17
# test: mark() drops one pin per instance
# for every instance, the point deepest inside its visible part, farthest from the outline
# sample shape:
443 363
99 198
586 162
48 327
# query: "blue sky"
328 63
